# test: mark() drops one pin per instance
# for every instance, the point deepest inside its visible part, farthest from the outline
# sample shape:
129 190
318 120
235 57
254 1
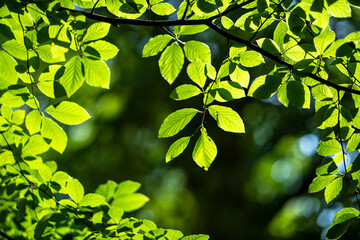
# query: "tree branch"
3 234
208 22
155 23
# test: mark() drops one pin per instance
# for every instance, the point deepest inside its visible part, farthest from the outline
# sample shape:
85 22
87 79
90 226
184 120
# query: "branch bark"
209 22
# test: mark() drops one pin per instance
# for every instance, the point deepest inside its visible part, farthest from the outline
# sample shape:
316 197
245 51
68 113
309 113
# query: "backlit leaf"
177 148
176 121
204 151
227 119
69 113
171 62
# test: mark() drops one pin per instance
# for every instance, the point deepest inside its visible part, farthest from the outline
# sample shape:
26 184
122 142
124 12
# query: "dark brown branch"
278 60
156 23
208 22
3 234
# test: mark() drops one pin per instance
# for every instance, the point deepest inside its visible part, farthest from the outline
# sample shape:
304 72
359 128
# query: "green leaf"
73 77
196 71
197 50
177 148
97 73
323 40
322 92
131 202
127 187
156 45
75 190
205 150
69 113
341 223
185 91
163 9
282 95
320 182
8 75
251 59
6 157
269 45
96 31
48 85
116 213
171 62
329 147
18 117
16 49
262 5
176 121
51 53
333 189
34 146
353 143
45 172
280 33
236 50
92 200
264 86
227 91
227 119
227 22
239 74
107 190
52 131
338 8
298 94
101 50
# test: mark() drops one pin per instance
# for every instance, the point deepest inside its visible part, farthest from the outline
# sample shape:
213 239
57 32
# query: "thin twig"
268 17
3 234
93 9
342 147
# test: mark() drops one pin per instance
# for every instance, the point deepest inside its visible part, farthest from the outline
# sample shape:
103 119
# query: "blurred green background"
257 186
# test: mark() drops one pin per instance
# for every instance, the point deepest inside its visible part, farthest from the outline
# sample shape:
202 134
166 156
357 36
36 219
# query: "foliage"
54 47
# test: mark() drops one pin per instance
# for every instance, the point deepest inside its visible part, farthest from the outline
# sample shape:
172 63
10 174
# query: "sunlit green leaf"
73 77
177 148
204 151
338 8
16 49
176 121
196 71
323 40
34 146
341 222
163 9
320 182
333 189
132 202
227 119
329 147
97 73
251 59
96 31
156 45
92 200
171 62
101 50
185 91
197 50
75 190
52 131
69 113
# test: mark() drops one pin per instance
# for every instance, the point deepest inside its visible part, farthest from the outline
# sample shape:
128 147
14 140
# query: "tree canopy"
284 52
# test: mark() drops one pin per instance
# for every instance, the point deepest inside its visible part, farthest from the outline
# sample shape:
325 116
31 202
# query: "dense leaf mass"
56 46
